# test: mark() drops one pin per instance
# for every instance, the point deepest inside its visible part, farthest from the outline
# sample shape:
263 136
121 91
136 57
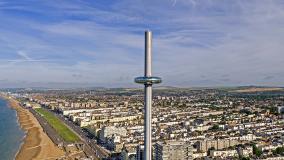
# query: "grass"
61 129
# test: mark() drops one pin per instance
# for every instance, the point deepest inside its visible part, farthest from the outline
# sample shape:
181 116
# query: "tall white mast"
148 81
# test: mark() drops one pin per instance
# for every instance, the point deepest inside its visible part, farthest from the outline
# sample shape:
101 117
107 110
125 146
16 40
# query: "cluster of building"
197 124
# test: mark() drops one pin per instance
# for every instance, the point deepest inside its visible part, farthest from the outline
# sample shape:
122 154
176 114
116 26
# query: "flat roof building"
173 151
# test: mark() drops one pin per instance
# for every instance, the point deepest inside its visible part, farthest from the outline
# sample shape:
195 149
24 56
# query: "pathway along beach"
37 145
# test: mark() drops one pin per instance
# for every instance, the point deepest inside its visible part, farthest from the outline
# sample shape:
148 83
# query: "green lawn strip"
61 129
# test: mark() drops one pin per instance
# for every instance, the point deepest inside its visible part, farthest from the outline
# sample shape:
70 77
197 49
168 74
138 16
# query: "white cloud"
23 55
196 41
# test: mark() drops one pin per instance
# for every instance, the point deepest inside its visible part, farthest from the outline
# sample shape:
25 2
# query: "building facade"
173 151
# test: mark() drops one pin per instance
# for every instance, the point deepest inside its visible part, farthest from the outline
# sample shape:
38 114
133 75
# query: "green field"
61 129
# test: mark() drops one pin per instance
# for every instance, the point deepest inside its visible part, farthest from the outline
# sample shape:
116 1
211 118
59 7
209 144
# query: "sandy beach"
37 145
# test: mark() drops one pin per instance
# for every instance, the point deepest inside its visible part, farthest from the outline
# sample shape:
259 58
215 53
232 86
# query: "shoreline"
25 133
35 143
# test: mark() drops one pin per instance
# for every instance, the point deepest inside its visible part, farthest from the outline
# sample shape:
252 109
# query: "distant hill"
252 89
165 87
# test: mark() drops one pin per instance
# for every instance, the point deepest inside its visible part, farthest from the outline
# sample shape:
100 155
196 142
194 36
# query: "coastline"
22 140
36 144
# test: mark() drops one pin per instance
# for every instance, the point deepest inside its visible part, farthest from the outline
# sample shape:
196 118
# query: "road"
91 145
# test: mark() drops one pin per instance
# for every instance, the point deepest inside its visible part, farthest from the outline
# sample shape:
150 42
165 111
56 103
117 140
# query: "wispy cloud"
102 41
24 56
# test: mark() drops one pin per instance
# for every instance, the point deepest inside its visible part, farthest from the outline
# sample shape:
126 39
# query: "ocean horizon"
11 134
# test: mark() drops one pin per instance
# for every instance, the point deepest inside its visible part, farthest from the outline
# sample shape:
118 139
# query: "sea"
11 134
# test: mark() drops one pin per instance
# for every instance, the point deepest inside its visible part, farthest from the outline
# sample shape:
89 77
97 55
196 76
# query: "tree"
278 150
256 151
215 127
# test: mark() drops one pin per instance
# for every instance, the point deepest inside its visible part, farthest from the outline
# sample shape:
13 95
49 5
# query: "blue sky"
80 43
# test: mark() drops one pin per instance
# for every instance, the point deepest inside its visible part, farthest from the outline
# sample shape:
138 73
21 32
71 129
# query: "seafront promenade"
91 148
43 140
36 144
